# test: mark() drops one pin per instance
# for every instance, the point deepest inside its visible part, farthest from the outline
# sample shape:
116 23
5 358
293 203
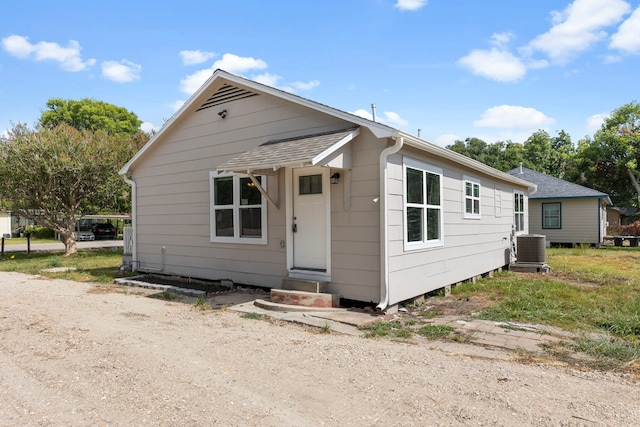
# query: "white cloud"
194 57
514 117
410 4
394 118
268 79
68 57
363 113
306 85
494 64
594 123
446 139
388 117
578 27
148 127
192 82
175 105
230 63
239 64
627 38
121 72
501 40
4 134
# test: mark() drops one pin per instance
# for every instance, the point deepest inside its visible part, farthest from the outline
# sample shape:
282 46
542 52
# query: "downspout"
134 222
384 233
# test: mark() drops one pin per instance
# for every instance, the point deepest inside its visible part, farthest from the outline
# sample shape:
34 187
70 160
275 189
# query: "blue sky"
493 69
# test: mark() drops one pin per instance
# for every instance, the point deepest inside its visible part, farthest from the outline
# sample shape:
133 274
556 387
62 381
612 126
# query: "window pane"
476 206
476 190
468 189
433 224
433 189
224 222
223 190
310 184
414 224
251 222
415 188
249 193
468 208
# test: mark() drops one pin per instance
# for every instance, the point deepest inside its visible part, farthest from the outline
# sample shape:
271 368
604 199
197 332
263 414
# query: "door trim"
301 273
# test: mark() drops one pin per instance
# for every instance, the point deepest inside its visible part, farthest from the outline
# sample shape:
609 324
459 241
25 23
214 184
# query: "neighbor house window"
471 197
423 205
551 215
238 210
518 211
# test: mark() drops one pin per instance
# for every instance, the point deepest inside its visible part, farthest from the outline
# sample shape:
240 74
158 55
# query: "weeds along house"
252 184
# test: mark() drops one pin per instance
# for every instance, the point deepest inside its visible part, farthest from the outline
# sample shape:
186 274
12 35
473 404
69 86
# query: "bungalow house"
566 213
254 185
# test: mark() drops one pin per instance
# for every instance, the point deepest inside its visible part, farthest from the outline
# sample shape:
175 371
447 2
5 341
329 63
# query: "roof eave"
465 161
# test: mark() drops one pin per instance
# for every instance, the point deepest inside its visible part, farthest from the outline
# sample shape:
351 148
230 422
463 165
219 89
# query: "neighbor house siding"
579 219
470 246
173 201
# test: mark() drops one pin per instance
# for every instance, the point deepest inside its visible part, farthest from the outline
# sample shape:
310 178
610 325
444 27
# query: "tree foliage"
539 152
55 174
90 115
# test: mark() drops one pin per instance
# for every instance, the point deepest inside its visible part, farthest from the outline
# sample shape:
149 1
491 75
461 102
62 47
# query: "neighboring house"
5 223
252 184
620 216
566 213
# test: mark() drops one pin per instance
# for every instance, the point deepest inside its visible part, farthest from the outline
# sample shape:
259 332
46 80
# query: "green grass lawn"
91 265
592 292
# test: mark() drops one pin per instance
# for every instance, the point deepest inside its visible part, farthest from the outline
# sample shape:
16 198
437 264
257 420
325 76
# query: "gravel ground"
74 354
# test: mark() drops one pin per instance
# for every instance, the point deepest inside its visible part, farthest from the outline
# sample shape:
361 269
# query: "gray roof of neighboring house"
550 187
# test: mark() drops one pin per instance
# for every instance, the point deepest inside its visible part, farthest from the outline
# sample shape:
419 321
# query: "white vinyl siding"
423 205
472 199
238 210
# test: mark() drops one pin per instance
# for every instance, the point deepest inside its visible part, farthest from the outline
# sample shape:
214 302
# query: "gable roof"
223 81
550 187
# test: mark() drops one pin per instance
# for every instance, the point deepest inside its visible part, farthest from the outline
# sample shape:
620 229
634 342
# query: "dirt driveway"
76 354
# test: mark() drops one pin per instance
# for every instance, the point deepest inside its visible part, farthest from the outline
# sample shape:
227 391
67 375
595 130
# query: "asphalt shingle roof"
550 187
290 151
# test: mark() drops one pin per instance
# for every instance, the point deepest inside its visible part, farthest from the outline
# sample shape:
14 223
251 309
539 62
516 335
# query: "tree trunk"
636 185
69 241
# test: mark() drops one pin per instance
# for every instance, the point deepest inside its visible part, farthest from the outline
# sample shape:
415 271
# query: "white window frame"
434 170
519 218
262 240
474 182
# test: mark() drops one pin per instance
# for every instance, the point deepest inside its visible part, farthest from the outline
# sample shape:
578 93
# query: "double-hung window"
238 210
471 197
551 215
422 205
518 211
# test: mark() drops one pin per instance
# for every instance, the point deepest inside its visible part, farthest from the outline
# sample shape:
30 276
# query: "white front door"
310 219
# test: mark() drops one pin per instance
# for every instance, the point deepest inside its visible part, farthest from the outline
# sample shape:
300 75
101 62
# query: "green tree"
89 114
610 161
53 175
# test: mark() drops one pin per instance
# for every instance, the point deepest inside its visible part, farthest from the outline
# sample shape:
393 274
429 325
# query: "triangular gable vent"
226 93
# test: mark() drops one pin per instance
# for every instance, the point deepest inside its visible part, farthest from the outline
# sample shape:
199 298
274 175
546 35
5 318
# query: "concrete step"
304 285
303 298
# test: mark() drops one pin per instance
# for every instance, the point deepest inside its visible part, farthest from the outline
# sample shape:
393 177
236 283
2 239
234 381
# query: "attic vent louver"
226 93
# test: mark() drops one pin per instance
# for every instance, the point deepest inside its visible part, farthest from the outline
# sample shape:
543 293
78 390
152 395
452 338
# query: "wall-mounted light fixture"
223 114
335 178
